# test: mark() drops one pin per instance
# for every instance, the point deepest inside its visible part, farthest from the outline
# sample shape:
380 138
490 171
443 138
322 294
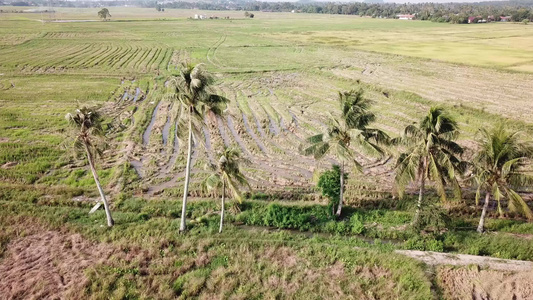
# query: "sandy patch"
474 284
48 265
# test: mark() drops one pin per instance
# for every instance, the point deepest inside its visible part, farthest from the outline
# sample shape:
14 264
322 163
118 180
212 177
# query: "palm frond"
517 204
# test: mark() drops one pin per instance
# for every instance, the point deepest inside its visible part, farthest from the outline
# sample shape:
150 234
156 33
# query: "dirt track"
438 258
476 284
48 265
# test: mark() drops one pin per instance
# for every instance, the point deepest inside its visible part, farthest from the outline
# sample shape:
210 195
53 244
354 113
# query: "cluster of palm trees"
427 151
192 90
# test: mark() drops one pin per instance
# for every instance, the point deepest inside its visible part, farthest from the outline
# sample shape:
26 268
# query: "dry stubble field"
282 72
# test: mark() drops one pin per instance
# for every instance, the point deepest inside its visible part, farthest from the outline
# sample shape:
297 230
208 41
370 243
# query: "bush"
432 218
424 243
330 186
297 217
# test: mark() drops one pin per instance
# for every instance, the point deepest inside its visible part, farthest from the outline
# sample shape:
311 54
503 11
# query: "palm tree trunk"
421 191
187 176
341 193
481 226
110 221
223 204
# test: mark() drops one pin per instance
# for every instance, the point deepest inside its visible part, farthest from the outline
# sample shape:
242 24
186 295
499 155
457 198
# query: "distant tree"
20 3
431 153
525 21
88 137
104 14
499 170
192 89
246 14
227 175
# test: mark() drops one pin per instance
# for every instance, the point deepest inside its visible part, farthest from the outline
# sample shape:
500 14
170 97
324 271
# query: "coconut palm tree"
192 89
499 170
226 174
431 154
350 129
87 123
104 14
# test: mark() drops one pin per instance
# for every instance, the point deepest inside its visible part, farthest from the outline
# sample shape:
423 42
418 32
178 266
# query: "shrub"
330 186
424 243
432 218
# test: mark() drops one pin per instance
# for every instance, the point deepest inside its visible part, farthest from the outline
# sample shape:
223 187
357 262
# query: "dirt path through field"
471 283
48 265
439 258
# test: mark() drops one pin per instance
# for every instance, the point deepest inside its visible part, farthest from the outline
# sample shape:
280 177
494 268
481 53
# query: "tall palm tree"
350 129
499 170
226 174
431 154
192 89
87 123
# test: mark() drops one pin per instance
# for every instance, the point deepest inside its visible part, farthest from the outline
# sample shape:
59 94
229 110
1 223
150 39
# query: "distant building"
505 19
475 20
405 17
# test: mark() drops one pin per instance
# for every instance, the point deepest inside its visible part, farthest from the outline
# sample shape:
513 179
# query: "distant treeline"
445 12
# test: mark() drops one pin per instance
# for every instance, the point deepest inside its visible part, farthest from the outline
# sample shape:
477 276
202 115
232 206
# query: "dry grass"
472 283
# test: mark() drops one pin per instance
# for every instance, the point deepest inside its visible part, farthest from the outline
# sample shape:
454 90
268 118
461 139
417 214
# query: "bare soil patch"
9 165
464 283
48 265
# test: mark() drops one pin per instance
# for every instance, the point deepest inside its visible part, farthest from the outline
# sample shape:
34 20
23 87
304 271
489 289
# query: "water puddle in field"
252 134
274 129
124 97
148 131
236 135
166 130
282 125
208 147
175 151
137 92
223 131
294 119
137 166
259 128
156 189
